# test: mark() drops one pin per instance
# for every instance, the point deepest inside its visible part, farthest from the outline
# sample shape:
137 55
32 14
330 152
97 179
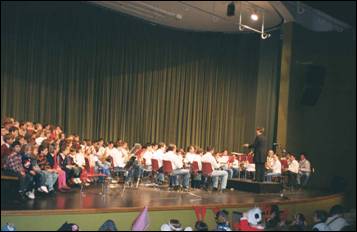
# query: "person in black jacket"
260 150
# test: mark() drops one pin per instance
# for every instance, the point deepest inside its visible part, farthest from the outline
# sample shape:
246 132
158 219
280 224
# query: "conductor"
260 149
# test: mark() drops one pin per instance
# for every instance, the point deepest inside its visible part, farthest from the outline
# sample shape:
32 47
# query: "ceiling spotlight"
231 8
254 17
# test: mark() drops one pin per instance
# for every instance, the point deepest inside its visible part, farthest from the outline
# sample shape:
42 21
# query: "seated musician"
225 163
101 163
292 171
182 155
248 164
136 161
123 148
270 161
217 173
197 177
132 160
158 155
118 158
177 167
72 167
190 155
148 155
304 170
235 166
276 168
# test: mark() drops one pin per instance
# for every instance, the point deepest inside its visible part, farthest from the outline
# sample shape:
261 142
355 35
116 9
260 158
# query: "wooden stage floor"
132 199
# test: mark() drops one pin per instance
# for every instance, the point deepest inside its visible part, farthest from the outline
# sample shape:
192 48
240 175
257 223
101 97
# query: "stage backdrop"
98 73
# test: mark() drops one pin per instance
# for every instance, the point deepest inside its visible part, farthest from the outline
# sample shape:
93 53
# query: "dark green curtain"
101 74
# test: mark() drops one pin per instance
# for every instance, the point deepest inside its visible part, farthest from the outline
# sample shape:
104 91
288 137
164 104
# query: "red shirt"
243 225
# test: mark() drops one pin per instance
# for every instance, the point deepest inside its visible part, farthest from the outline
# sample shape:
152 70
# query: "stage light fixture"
254 16
231 8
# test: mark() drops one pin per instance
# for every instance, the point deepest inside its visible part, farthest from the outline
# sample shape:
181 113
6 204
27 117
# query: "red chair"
85 171
92 175
207 173
206 169
167 166
195 168
154 169
154 165
84 175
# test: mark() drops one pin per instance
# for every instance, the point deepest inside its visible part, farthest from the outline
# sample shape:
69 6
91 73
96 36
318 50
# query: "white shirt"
158 155
109 151
235 163
124 152
198 159
101 152
294 166
189 157
118 158
79 159
270 162
276 168
147 156
39 140
208 157
223 161
250 167
321 227
304 166
180 157
92 159
336 223
175 160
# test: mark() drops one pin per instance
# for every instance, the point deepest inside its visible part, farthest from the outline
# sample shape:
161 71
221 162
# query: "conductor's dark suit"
260 150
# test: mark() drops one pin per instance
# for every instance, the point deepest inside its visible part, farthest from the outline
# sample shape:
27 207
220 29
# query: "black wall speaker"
314 79
231 8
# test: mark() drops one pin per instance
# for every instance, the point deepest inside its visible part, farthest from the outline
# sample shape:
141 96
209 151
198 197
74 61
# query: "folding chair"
207 172
92 175
117 172
167 167
195 172
154 172
195 168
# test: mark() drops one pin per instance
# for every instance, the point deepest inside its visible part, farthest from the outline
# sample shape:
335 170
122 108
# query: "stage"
116 199
89 209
